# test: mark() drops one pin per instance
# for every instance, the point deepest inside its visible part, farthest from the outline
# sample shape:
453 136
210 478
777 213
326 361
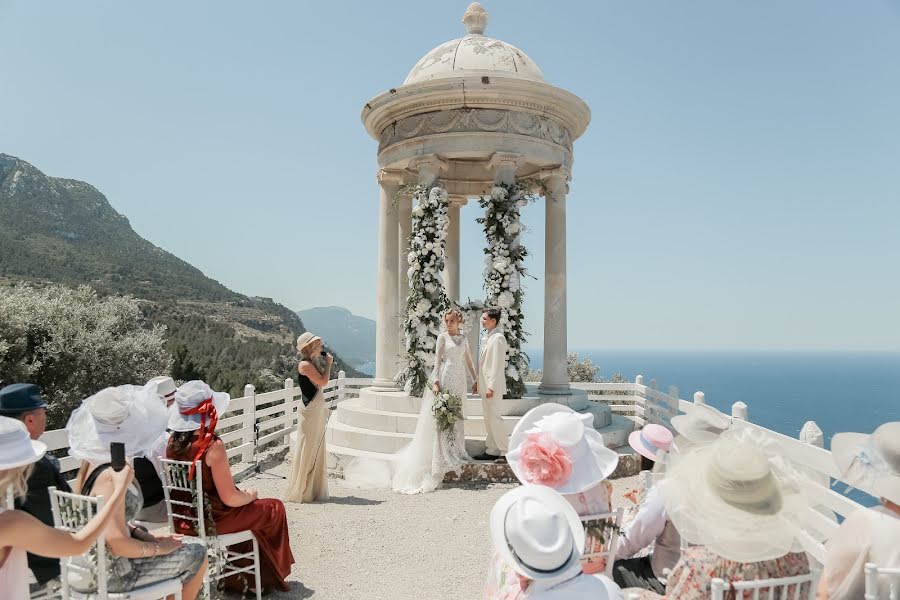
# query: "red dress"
265 517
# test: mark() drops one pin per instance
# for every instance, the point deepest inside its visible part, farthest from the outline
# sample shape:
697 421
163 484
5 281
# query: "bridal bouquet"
447 410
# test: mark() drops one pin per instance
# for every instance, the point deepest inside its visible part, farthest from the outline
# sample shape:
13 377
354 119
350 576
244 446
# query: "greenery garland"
427 298
504 270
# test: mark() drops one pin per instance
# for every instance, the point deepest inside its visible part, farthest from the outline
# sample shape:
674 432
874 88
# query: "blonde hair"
304 350
16 480
456 312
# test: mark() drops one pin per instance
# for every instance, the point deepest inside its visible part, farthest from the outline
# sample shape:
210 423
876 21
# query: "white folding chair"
780 588
873 574
71 512
222 560
601 538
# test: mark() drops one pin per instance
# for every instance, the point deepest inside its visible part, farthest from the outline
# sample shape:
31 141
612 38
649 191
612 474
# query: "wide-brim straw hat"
538 534
871 460
190 395
651 441
17 449
128 414
591 460
702 425
306 339
737 496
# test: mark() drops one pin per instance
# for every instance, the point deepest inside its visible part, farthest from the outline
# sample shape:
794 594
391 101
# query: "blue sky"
739 185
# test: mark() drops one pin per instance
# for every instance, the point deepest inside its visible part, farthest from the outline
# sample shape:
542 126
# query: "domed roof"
475 54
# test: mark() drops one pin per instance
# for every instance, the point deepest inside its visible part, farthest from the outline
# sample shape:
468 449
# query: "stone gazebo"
472 112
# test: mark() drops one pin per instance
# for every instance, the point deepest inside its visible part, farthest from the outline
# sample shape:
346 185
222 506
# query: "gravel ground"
373 545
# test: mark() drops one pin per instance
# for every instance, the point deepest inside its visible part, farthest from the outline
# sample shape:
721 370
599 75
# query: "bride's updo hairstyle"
456 312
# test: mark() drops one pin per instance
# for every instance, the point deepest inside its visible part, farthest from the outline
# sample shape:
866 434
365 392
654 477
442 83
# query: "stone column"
556 377
451 249
387 348
404 214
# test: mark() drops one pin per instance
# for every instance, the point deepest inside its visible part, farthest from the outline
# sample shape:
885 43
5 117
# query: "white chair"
71 512
222 560
602 538
780 588
873 573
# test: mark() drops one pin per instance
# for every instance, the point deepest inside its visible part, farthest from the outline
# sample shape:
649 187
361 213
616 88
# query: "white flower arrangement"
504 269
427 298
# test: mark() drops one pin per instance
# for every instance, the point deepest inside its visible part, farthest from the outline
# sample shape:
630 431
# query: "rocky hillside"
65 231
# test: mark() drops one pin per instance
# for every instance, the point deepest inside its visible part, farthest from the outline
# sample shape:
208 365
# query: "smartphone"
117 454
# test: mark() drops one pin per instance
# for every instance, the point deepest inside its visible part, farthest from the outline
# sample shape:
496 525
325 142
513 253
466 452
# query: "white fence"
255 420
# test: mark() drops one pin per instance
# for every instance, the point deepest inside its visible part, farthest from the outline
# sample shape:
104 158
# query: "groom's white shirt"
492 364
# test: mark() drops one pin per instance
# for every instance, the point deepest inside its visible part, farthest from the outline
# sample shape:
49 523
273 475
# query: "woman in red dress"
192 420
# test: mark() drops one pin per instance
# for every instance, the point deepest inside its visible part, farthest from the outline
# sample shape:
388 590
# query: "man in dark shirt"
23 401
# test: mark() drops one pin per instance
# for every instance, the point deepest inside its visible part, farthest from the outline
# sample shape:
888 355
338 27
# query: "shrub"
579 370
73 343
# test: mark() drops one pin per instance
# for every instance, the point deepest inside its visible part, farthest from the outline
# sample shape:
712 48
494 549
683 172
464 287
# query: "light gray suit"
492 376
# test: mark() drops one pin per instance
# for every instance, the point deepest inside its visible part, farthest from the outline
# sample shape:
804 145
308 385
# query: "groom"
492 383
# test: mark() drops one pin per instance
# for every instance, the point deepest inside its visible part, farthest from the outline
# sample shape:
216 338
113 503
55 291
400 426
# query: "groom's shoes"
486 457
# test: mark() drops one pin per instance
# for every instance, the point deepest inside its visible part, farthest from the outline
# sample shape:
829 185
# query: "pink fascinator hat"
554 446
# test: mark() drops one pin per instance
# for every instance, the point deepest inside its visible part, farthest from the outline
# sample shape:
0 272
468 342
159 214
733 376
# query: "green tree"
72 343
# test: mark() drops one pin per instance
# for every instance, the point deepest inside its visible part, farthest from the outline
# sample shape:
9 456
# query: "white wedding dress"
421 465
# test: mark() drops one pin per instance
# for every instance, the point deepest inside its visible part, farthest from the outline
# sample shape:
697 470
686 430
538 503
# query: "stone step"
346 435
354 412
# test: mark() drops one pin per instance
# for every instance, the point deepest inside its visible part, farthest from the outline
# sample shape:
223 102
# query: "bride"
420 466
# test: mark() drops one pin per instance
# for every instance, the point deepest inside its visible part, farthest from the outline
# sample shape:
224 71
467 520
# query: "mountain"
351 335
65 231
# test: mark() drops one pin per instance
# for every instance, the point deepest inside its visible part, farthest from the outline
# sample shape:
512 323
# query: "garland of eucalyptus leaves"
505 268
427 298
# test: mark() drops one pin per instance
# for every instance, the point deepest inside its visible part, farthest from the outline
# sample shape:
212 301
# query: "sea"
840 391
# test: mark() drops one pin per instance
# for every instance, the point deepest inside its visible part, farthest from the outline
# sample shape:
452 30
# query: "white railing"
256 420
251 421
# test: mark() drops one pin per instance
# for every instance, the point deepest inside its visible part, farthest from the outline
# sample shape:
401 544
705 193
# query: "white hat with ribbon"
871 460
128 414
188 412
702 425
538 533
555 446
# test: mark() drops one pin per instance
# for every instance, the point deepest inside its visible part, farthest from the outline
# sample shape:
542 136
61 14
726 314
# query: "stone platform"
379 423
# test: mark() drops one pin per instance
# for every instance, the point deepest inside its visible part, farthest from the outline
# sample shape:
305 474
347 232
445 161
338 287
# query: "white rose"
512 373
505 299
513 228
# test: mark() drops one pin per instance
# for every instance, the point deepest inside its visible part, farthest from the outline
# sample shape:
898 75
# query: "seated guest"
538 534
738 500
702 425
129 415
23 401
650 526
869 534
192 421
555 447
20 531
148 470
646 442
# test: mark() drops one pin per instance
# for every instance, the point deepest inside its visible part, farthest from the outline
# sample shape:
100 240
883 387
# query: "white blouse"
14 573
868 535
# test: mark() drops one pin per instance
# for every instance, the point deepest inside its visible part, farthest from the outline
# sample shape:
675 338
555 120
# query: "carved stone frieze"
476 120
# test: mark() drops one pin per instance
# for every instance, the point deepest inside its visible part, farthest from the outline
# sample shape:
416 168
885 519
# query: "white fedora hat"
573 440
702 425
538 533
17 449
737 496
162 385
188 397
128 414
305 339
872 459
